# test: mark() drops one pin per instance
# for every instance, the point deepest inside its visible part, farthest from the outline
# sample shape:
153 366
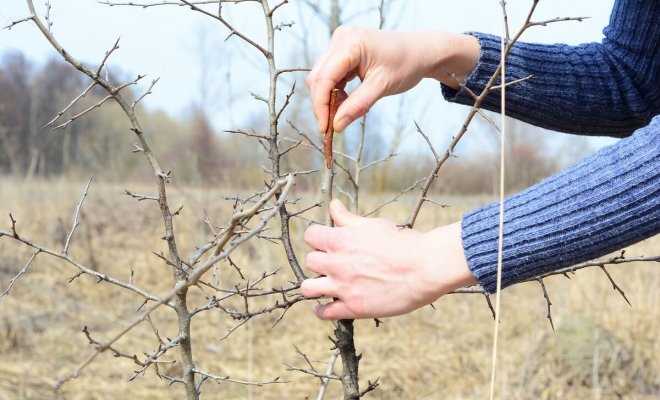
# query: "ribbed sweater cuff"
489 60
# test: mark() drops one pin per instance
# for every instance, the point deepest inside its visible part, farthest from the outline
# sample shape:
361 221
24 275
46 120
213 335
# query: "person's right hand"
387 63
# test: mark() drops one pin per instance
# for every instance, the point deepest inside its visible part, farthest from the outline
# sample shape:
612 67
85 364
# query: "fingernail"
317 309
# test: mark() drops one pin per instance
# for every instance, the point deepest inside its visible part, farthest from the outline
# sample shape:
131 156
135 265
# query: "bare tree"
253 214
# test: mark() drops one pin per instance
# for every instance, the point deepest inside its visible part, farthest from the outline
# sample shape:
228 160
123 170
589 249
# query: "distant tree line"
32 94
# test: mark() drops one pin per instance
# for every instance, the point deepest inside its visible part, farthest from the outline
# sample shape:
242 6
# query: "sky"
190 55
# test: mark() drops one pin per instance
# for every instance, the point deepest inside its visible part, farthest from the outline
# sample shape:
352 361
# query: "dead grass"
602 348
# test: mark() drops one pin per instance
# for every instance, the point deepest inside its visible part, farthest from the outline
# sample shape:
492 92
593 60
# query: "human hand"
387 63
374 269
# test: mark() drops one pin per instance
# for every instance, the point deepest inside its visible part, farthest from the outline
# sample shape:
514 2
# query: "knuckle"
347 275
380 86
308 260
340 240
356 44
355 302
311 260
346 61
305 288
359 108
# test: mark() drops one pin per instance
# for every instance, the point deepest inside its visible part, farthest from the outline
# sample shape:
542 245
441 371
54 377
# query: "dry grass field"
602 349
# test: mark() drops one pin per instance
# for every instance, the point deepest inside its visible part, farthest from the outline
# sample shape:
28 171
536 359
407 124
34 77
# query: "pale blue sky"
164 42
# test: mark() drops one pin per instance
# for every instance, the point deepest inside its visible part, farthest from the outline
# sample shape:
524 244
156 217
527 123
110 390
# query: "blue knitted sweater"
607 201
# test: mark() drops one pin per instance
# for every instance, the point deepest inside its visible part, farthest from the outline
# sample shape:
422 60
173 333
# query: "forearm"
606 202
452 57
607 88
443 248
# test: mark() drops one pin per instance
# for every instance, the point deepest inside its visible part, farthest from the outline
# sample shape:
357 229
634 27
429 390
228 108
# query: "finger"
341 216
322 263
311 77
359 102
334 310
323 238
339 65
311 83
318 287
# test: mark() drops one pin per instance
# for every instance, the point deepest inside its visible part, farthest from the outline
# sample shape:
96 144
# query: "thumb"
358 103
341 216
334 310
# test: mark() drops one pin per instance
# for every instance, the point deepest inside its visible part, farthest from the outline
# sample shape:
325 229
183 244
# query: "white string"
500 239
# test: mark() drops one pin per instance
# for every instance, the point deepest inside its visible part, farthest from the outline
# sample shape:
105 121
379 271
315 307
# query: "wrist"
446 260
453 57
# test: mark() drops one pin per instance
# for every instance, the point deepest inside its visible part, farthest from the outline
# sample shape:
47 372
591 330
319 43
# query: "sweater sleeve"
607 88
604 203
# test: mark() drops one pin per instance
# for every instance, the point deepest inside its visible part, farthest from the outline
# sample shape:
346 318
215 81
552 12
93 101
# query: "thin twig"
20 273
76 217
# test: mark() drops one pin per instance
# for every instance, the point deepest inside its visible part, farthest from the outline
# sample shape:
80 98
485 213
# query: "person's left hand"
374 269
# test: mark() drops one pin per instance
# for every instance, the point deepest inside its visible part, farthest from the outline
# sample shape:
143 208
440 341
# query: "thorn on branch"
283 25
178 211
141 306
287 100
490 305
622 256
614 284
165 175
548 303
76 276
334 342
13 227
235 266
371 386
